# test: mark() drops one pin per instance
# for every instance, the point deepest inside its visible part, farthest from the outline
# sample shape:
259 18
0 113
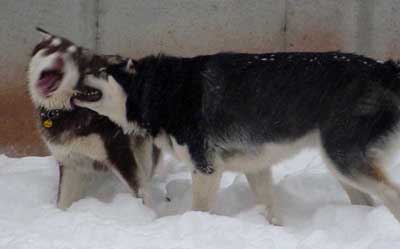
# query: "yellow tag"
47 123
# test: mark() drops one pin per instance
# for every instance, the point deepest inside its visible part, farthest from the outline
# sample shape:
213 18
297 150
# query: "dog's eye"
102 73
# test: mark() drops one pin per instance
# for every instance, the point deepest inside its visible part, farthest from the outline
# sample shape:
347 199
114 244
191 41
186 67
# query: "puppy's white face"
52 74
112 102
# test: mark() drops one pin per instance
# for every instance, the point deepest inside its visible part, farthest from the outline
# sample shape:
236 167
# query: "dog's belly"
267 154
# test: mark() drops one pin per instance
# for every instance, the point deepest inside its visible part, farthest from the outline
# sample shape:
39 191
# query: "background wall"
180 27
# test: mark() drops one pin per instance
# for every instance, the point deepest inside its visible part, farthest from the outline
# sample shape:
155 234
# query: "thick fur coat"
246 112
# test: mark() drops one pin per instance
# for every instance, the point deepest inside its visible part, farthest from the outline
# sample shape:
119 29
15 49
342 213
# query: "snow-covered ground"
317 212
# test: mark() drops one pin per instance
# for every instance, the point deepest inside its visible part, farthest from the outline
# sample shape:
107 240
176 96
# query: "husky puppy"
247 112
83 142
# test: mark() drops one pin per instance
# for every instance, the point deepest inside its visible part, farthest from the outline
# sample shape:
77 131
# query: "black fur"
251 99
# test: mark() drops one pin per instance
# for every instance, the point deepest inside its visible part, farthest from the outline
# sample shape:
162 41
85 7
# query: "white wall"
182 27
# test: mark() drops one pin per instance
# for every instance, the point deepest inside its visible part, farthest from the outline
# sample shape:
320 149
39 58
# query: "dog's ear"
128 63
114 59
130 66
86 54
46 35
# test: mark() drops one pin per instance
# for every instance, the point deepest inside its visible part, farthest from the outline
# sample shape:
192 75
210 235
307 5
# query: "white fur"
59 99
91 146
75 179
265 155
163 142
180 151
387 148
78 176
56 42
130 67
169 145
72 49
144 157
112 104
261 183
204 188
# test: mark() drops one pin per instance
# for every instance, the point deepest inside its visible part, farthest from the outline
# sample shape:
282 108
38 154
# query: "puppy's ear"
86 54
130 66
114 59
46 35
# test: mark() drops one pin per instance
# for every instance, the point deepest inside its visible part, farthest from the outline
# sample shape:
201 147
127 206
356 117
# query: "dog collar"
49 116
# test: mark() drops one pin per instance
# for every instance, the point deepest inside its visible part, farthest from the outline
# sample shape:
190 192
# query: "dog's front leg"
204 188
206 175
147 157
73 182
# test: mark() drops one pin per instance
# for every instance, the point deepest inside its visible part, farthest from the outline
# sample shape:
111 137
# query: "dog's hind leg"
356 196
261 183
370 178
356 146
365 174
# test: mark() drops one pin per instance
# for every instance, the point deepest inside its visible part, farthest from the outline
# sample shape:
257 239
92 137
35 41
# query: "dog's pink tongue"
50 79
47 82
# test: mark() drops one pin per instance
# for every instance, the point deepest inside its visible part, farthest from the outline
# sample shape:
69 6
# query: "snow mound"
317 212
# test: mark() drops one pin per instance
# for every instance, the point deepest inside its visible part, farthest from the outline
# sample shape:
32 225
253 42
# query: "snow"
315 209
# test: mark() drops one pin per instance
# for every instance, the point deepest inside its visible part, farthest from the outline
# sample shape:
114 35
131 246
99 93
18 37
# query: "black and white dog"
247 112
84 143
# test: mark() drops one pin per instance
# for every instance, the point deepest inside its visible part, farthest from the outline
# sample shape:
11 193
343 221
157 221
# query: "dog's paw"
270 215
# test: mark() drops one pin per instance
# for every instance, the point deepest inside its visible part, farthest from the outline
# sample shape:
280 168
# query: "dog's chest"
91 146
72 132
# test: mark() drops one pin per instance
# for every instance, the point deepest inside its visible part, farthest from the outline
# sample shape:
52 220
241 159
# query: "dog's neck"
161 84
49 117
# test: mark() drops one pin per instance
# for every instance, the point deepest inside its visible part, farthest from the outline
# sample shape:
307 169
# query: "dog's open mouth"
50 79
88 94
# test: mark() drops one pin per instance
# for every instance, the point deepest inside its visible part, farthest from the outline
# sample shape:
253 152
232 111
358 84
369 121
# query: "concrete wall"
71 18
181 27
